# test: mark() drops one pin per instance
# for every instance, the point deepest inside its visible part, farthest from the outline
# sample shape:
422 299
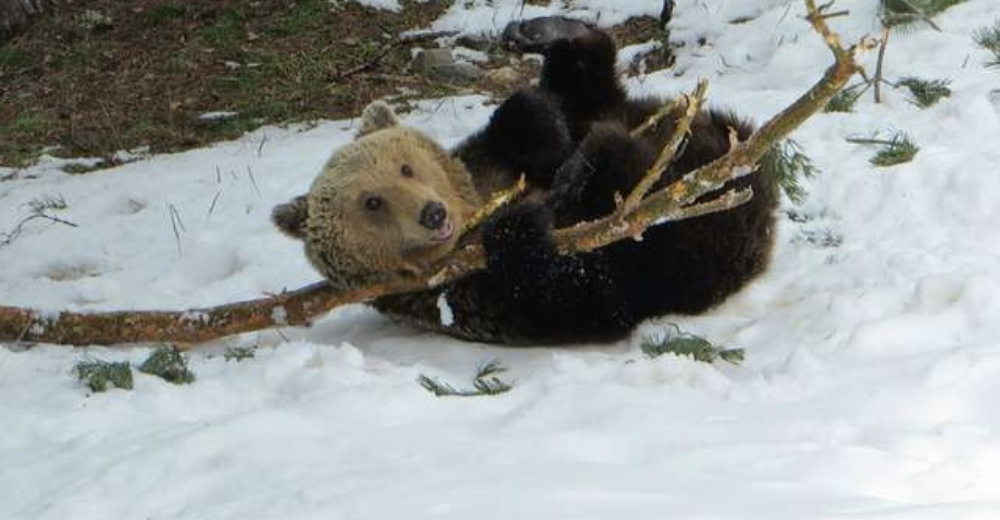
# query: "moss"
13 58
300 17
227 32
165 13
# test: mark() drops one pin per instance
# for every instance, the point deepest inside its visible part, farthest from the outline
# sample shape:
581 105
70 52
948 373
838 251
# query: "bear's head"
390 201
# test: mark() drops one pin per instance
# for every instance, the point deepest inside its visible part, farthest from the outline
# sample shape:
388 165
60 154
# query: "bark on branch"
632 216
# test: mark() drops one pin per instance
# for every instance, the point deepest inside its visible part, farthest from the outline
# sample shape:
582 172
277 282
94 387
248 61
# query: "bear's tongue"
444 233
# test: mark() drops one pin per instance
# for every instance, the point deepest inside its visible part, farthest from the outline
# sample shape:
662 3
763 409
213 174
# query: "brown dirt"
97 76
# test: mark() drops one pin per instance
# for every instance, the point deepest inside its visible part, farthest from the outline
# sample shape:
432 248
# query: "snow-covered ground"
873 343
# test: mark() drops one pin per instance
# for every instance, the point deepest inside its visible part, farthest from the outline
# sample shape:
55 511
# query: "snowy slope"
868 390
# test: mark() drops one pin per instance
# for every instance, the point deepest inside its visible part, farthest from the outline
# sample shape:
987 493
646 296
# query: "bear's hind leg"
527 134
579 65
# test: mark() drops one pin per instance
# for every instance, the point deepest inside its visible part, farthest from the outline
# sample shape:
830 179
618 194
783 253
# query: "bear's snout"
433 216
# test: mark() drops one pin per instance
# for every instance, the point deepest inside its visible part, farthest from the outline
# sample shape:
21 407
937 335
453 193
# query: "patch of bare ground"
93 77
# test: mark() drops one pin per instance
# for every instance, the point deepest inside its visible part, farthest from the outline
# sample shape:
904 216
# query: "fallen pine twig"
298 307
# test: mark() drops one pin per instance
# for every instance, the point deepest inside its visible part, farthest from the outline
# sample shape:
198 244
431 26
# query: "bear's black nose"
433 215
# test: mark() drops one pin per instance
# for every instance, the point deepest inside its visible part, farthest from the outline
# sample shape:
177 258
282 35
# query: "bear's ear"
290 217
376 116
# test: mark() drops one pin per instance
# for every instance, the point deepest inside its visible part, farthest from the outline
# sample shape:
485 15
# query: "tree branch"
297 308
878 64
692 104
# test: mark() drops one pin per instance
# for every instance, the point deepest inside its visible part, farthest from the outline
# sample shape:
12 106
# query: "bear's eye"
406 171
373 203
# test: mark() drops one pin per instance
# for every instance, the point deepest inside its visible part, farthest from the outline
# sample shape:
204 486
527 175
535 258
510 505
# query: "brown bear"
355 220
393 200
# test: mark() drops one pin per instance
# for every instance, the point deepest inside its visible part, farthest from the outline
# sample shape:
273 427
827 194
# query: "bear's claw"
538 34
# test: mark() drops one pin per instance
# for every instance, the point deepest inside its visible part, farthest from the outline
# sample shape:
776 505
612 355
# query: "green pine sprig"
901 149
845 100
898 149
906 13
485 382
169 364
926 92
989 39
674 341
239 353
790 165
100 375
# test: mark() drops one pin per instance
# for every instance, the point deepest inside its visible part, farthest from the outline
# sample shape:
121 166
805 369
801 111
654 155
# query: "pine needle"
674 341
168 364
926 92
989 39
487 383
906 13
845 100
100 375
484 383
238 353
790 165
898 149
901 150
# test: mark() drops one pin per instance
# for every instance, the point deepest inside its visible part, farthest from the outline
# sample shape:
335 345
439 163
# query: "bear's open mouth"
445 233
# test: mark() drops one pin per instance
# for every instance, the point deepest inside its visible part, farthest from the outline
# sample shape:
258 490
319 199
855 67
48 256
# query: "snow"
388 5
444 309
872 358
217 116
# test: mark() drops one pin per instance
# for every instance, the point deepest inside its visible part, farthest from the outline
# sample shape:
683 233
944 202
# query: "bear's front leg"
528 134
609 161
561 296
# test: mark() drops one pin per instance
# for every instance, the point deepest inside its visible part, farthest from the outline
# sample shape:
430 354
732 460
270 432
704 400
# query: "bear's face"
390 201
387 202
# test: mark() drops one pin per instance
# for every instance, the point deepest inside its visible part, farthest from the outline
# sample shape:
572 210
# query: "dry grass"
144 78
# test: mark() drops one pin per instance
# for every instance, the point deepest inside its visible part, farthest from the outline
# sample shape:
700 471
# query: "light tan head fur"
361 219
